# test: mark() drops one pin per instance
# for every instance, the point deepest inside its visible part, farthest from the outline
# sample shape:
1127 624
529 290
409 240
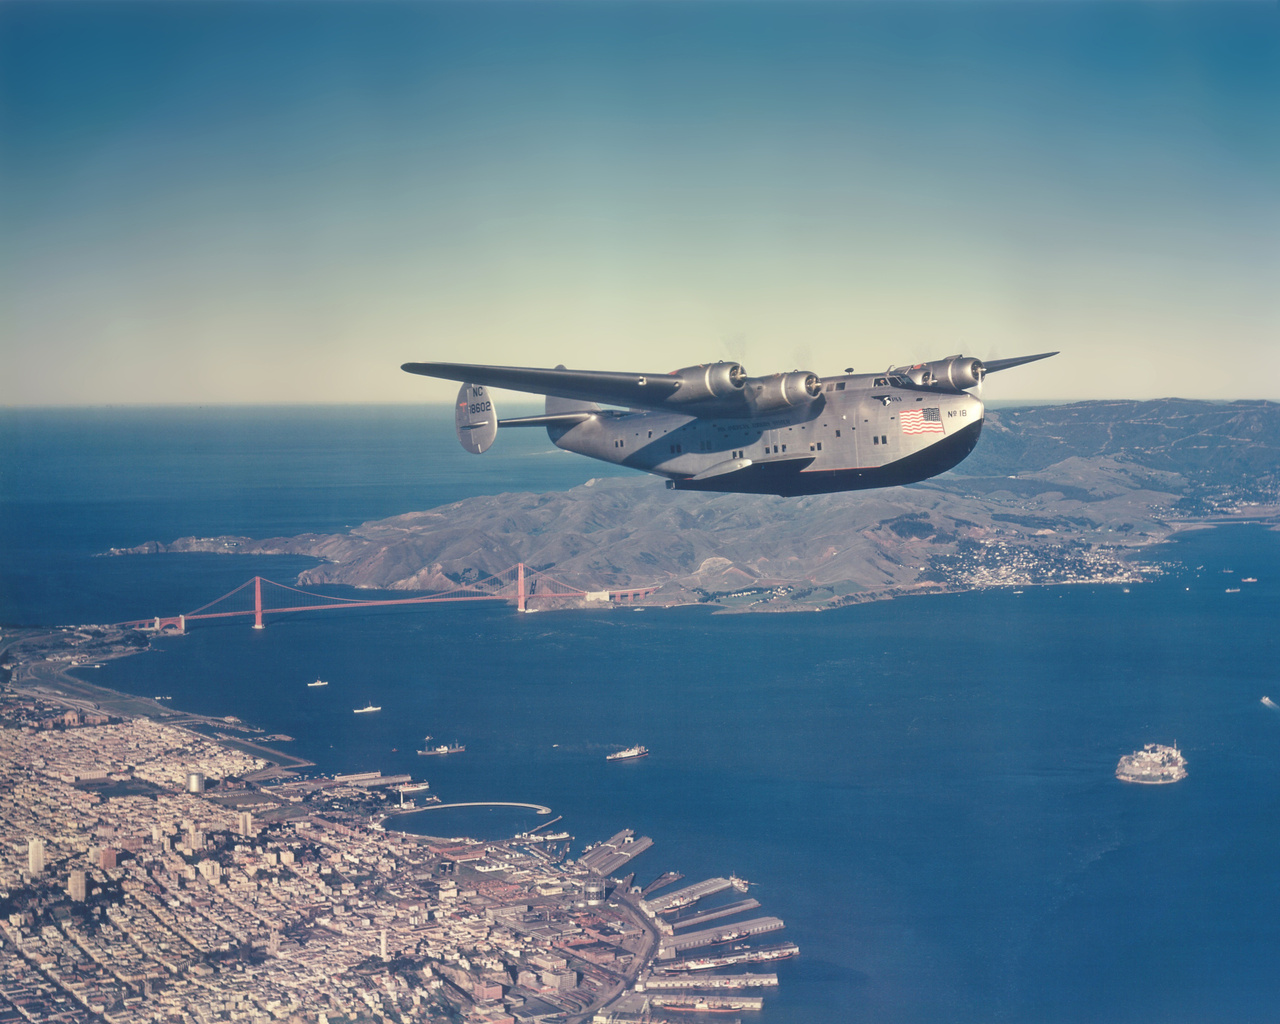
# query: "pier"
661 882
685 897
480 803
672 983
669 946
615 853
711 915
709 1004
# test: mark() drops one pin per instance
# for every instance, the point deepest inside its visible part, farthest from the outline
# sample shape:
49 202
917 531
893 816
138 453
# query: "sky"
282 202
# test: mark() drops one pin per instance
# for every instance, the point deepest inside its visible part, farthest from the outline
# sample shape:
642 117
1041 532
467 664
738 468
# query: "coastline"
46 679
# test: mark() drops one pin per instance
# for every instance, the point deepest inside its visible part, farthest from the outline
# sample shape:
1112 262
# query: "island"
1154 765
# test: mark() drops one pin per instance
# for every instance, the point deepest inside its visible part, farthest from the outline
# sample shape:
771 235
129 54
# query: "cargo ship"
1153 765
319 682
366 709
445 748
629 754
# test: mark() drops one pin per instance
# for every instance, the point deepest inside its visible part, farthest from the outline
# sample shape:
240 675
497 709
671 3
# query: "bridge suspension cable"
518 582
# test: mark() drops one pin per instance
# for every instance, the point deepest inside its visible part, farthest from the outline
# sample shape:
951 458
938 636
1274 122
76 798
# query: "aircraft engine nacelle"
709 385
783 391
959 372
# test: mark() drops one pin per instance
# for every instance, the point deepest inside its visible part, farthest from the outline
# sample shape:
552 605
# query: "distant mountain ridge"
1052 494
1212 442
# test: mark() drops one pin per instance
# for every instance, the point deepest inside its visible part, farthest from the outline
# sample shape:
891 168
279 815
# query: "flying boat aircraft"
714 428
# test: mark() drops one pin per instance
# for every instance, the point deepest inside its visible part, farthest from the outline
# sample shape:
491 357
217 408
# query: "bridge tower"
257 603
520 586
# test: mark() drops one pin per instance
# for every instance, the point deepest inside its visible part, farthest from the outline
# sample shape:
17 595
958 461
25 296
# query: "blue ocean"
922 789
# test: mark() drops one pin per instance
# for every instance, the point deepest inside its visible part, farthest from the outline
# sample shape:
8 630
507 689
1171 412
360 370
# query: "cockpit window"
897 382
880 382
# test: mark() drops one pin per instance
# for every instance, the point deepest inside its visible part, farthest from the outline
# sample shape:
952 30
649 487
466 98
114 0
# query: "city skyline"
281 203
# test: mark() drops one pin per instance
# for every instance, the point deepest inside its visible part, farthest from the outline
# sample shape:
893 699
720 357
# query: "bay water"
922 789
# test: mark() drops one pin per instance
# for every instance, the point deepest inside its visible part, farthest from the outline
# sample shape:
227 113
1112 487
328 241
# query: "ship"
451 748
1249 579
1153 765
319 682
366 709
629 754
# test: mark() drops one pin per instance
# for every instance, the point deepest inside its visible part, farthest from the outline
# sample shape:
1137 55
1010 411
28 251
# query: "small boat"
319 682
366 709
1233 590
628 754
455 748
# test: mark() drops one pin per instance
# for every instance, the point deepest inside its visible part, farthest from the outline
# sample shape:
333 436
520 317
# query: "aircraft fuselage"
865 430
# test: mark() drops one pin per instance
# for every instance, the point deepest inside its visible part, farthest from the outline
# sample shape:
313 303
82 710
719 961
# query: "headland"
1065 494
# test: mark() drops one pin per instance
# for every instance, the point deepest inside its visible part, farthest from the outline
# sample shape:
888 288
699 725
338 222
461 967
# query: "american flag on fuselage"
921 421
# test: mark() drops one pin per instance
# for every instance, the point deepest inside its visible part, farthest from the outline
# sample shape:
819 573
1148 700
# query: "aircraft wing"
635 390
992 365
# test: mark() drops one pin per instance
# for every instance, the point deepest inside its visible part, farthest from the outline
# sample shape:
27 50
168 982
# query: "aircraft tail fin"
475 418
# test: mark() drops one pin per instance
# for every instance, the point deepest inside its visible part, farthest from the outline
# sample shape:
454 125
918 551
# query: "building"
195 782
244 824
107 858
35 856
560 980
76 886
210 871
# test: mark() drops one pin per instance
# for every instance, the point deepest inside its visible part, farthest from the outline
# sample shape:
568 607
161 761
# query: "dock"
741 907
685 897
614 853
673 983
669 946
661 882
708 1004
757 955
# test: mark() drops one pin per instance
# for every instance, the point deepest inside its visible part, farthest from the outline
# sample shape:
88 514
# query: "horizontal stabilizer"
561 419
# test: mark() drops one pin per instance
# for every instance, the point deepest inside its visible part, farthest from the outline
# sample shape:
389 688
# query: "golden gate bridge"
261 597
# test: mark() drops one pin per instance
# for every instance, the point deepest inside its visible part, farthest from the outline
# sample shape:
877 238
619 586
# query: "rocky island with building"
152 873
1154 765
